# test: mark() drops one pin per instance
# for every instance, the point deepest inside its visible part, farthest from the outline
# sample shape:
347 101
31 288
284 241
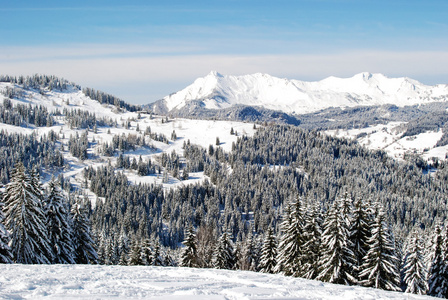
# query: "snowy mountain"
217 91
139 282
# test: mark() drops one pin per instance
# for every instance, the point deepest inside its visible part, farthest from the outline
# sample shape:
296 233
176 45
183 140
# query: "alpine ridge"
217 91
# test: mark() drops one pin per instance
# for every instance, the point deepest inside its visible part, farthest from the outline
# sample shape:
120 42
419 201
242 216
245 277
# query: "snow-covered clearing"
139 282
389 138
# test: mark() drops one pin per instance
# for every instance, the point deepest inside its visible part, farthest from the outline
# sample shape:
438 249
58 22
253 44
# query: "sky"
142 51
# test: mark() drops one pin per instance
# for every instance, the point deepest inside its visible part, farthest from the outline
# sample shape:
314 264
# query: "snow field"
141 282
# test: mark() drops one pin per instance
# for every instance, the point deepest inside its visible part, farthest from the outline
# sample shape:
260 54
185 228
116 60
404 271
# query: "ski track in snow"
140 282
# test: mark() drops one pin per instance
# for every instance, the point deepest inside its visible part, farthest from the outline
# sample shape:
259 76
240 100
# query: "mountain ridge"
217 91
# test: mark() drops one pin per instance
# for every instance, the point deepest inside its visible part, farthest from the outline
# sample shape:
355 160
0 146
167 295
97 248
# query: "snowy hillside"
216 91
199 132
138 282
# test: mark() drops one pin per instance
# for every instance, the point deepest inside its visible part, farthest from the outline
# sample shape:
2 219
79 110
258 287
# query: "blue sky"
144 50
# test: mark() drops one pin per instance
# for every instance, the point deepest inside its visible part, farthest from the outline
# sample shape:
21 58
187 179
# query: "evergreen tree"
5 250
156 257
83 244
359 234
189 254
380 268
135 258
268 259
249 255
337 259
224 256
313 241
146 253
437 279
414 269
290 254
59 230
25 220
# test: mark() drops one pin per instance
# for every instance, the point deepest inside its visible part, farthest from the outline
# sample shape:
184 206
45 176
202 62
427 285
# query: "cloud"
146 77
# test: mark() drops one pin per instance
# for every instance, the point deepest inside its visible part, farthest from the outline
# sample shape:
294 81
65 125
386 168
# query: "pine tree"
5 250
224 256
380 268
189 254
337 258
313 241
249 255
146 253
83 244
59 229
25 220
437 279
413 268
135 258
359 233
156 257
290 249
268 259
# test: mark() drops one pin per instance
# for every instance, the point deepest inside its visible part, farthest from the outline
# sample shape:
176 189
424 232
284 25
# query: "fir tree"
5 250
146 253
25 220
380 268
313 241
189 254
268 259
83 244
414 269
437 279
135 258
337 259
59 230
290 254
359 233
224 256
156 256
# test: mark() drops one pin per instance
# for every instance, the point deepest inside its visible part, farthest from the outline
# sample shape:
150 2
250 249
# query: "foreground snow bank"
137 282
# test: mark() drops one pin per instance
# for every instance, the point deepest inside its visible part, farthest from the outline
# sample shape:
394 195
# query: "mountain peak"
214 73
216 91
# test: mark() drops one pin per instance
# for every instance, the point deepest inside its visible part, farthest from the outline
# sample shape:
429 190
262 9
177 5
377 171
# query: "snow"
294 96
141 282
199 132
388 137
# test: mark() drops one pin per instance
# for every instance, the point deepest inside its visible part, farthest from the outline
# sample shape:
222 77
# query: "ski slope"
141 282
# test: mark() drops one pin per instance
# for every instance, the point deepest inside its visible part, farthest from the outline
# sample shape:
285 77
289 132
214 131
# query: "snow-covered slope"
140 282
216 91
199 132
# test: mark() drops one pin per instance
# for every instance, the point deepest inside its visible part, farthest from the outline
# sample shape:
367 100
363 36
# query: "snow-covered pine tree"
437 278
83 244
381 265
189 253
249 255
5 250
146 253
414 270
156 257
312 245
337 258
58 224
25 219
268 259
135 258
359 234
290 252
224 256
